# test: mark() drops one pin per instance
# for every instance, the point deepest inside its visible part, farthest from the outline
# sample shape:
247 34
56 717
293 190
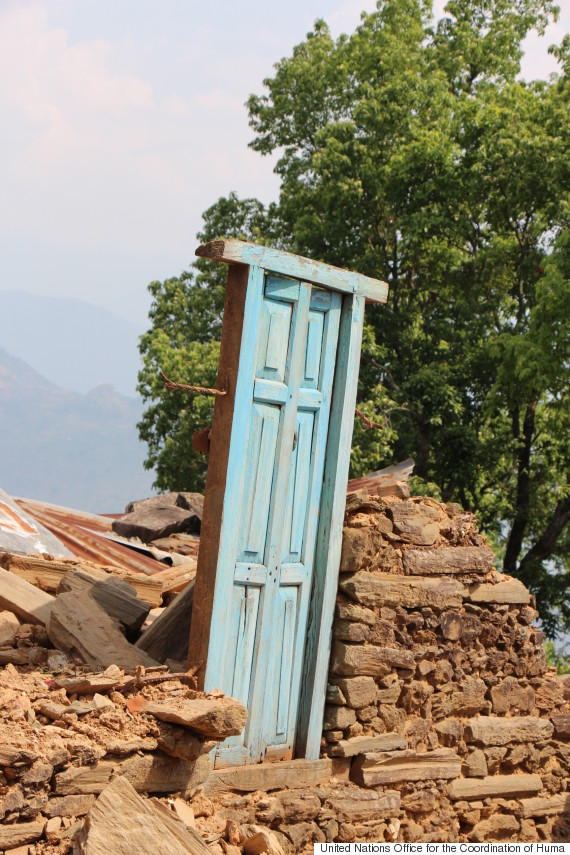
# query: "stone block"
359 614
383 589
475 764
495 786
338 718
500 826
367 744
391 767
360 660
492 730
363 805
358 691
510 591
509 694
561 726
413 523
445 561
549 694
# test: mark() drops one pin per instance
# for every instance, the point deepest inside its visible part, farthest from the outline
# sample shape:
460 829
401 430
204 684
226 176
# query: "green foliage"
413 154
557 658
183 342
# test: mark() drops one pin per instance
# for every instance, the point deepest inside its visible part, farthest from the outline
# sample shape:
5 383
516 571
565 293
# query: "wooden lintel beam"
233 251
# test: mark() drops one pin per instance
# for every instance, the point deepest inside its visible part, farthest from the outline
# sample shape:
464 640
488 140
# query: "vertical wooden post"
230 355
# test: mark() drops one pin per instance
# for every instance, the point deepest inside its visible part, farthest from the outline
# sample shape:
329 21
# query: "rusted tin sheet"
86 536
22 533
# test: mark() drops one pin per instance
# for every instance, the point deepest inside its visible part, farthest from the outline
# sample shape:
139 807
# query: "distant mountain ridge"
61 447
75 345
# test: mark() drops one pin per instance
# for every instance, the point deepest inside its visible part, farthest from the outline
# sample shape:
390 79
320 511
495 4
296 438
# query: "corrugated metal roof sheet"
86 536
22 533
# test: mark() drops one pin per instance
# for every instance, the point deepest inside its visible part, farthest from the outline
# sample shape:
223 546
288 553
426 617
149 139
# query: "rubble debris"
460 733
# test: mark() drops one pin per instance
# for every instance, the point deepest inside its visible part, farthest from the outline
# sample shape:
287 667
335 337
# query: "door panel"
277 517
260 460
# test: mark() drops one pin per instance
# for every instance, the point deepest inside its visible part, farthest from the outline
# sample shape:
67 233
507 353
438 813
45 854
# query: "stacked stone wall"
438 688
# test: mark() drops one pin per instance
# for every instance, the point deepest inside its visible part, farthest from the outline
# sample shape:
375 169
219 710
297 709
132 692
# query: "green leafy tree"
183 342
414 154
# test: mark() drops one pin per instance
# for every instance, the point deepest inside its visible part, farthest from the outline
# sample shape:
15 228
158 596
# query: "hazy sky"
122 120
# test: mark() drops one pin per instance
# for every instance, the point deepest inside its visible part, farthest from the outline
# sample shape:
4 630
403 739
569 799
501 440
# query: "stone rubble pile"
438 685
65 739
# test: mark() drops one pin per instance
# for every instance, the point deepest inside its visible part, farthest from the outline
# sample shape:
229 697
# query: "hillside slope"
74 344
58 446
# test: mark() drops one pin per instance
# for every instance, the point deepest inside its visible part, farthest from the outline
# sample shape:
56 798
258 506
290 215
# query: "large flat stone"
213 718
495 730
385 589
495 786
368 660
510 591
159 516
448 560
391 767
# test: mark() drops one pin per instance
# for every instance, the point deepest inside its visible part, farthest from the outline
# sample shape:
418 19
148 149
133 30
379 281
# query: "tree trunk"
545 545
522 504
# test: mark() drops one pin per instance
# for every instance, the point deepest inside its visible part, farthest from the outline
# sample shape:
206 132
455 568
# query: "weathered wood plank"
47 573
78 625
546 806
329 535
20 833
25 600
495 786
239 296
292 774
369 660
115 596
362 805
148 773
241 252
167 636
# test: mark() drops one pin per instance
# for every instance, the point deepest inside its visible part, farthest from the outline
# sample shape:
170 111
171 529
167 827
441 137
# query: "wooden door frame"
248 264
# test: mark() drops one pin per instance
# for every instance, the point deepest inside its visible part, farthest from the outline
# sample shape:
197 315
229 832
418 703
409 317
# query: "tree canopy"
414 153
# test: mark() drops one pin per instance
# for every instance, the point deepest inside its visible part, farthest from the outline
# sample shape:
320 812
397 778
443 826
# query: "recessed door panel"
260 461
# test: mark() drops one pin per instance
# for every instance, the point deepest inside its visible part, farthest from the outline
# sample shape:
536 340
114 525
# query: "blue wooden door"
270 519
